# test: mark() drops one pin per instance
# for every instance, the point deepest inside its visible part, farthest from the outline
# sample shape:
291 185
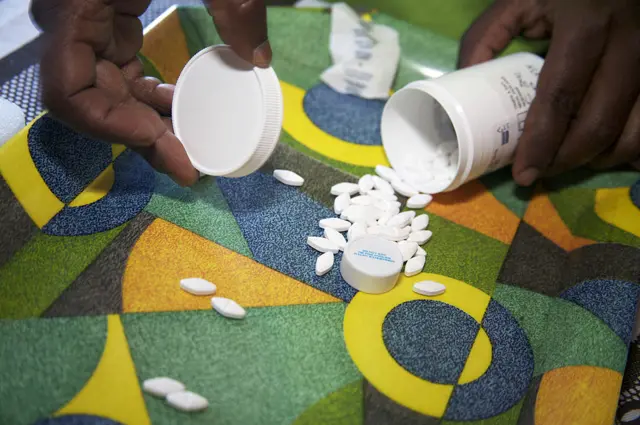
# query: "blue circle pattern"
349 118
635 194
77 420
430 339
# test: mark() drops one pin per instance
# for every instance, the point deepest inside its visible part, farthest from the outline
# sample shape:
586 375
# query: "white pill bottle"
481 108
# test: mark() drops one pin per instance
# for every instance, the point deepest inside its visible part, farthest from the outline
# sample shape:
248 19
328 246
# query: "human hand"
93 81
587 104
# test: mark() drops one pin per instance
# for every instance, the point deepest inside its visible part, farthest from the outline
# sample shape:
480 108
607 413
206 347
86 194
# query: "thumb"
242 24
490 34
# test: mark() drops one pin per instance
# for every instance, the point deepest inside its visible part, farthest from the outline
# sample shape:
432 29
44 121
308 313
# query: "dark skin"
93 81
587 105
587 108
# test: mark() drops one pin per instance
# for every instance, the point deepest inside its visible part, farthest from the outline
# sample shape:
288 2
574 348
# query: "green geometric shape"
464 254
342 407
36 275
201 209
512 196
148 68
45 363
266 369
576 207
510 417
562 333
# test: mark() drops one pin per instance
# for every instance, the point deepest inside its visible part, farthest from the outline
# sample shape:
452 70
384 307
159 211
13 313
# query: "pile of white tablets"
442 165
371 207
175 393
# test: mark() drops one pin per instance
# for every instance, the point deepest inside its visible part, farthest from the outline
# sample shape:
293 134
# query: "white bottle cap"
371 264
227 113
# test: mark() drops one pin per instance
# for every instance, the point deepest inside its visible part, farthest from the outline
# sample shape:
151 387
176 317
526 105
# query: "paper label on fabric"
365 55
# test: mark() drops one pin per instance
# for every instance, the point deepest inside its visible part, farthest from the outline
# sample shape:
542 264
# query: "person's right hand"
93 81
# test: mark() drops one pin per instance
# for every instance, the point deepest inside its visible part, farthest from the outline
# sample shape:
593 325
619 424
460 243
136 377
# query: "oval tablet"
403 188
365 183
322 244
162 386
386 173
419 201
421 237
341 203
228 308
187 401
324 263
420 222
414 266
340 188
288 177
335 223
336 237
429 288
198 286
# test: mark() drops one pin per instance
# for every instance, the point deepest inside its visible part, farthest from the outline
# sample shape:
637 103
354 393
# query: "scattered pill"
357 230
414 266
187 401
324 263
322 244
386 173
408 249
365 183
341 203
288 177
162 386
362 200
340 188
421 251
336 237
402 219
429 288
419 201
228 308
382 185
197 286
403 188
420 222
420 237
335 223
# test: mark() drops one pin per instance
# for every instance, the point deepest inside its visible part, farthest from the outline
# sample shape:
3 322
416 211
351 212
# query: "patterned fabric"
534 328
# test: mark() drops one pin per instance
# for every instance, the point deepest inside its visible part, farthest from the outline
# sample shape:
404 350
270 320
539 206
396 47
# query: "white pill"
374 230
420 222
421 252
421 237
341 203
382 221
324 263
187 401
197 286
386 173
414 266
392 234
382 185
322 244
356 231
228 308
408 249
365 183
419 201
335 223
404 189
385 196
402 219
162 386
404 231
336 237
429 288
340 188
288 177
362 200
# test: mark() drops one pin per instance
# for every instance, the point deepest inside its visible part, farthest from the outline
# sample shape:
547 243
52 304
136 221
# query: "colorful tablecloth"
534 327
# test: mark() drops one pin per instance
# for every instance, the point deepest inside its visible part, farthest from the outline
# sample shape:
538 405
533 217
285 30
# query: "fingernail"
262 55
528 176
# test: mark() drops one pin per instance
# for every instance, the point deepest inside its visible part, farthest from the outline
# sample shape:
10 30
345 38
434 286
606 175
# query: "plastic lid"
371 264
227 113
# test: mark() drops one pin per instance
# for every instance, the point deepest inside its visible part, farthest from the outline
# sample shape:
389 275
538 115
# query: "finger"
490 34
148 90
627 148
167 155
606 105
242 24
573 56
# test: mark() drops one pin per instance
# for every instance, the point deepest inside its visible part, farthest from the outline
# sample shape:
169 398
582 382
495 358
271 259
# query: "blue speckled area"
66 160
131 191
508 377
613 301
337 114
635 194
416 333
276 219
77 420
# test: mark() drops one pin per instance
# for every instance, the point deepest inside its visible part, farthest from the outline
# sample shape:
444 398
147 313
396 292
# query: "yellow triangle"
112 391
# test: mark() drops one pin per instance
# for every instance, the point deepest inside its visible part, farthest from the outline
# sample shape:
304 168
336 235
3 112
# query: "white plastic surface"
227 113
481 108
371 264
